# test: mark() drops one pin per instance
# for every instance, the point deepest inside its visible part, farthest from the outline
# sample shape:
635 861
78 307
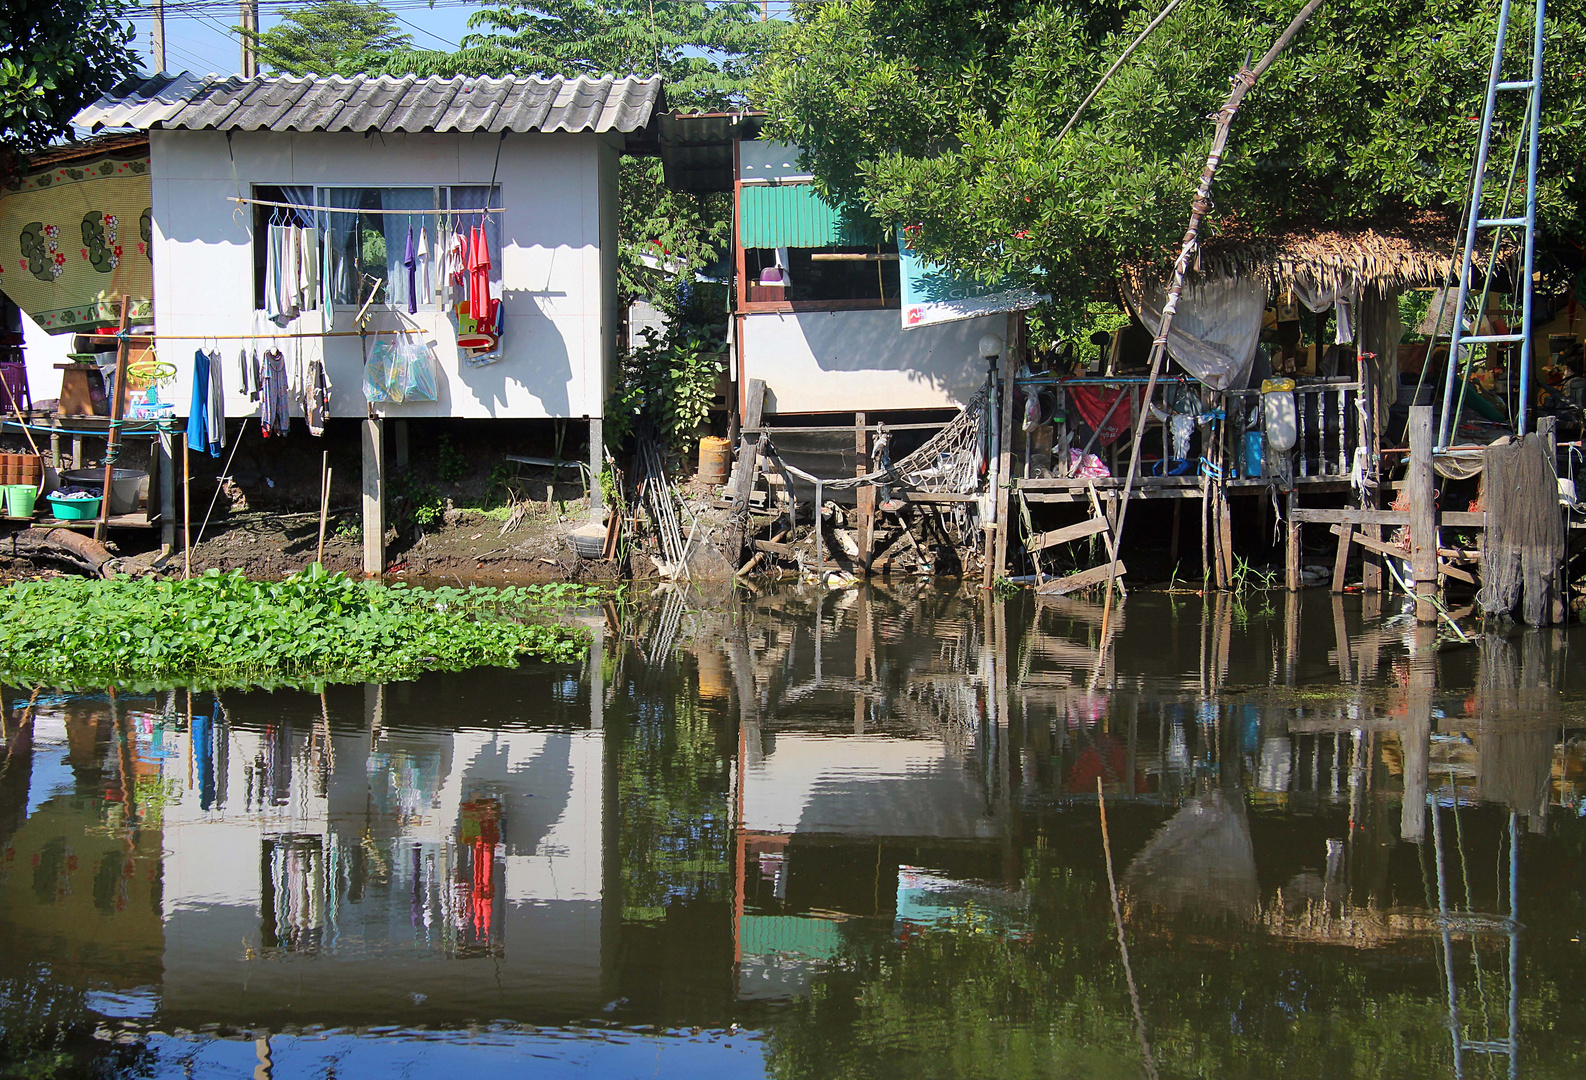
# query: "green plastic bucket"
74 509
20 499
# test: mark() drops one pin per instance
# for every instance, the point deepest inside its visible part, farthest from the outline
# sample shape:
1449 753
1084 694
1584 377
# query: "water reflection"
823 835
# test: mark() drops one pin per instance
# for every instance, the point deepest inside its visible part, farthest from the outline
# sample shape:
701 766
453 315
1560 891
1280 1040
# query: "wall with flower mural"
74 237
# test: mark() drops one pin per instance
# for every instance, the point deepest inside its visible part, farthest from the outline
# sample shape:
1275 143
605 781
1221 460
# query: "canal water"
860 834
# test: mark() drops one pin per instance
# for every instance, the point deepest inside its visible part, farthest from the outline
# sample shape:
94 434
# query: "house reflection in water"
735 816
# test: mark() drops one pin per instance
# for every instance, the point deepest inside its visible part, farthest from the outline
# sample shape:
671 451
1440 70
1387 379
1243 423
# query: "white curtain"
1345 296
1216 329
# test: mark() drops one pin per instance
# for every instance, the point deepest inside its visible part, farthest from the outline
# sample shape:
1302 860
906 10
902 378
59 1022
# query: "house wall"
559 197
845 361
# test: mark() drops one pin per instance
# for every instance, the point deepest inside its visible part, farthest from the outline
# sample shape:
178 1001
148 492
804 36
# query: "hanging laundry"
274 418
245 382
1094 403
282 273
308 270
256 387
217 404
457 266
317 406
410 263
198 412
423 255
479 304
327 281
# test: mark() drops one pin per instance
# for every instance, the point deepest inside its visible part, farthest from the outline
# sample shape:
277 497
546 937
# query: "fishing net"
1524 543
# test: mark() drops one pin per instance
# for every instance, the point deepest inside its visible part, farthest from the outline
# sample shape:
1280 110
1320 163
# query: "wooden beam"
1346 533
1085 579
1444 569
1291 551
1067 534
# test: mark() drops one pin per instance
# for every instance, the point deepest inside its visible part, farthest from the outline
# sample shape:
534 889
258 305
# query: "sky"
203 43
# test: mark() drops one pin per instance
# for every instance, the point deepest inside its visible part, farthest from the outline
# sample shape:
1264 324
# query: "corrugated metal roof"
793 215
696 148
383 103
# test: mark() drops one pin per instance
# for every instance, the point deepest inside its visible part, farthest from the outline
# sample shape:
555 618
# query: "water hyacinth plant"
222 630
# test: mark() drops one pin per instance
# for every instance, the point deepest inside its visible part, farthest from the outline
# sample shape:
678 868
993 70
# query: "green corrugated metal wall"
793 215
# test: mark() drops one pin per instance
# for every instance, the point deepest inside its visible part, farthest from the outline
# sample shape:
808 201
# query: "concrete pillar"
374 495
597 462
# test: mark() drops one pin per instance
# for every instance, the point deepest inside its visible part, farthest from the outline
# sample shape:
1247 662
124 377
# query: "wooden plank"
1345 533
1067 534
1351 516
784 551
930 497
1064 483
1096 575
753 406
1444 569
1012 350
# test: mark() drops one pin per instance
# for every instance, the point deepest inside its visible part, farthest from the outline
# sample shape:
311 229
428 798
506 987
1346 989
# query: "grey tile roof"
383 103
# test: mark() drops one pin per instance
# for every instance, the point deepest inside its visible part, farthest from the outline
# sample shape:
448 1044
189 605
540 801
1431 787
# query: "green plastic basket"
19 500
74 509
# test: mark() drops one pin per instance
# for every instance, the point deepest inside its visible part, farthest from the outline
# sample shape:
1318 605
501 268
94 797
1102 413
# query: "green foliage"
945 114
331 37
225 630
706 52
450 465
57 56
667 383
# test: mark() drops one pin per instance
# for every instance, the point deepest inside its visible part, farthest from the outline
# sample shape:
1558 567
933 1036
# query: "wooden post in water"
374 495
864 495
1422 489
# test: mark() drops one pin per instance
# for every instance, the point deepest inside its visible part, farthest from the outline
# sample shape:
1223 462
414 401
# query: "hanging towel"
308 270
198 412
423 256
410 263
327 281
479 278
317 406
216 428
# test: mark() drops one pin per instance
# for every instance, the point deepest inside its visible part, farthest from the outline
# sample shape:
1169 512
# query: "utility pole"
158 37
250 34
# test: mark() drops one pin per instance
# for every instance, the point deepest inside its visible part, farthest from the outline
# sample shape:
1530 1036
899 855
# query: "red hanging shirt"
480 306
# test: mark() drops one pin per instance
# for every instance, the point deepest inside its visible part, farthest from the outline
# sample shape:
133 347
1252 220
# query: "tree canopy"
57 56
331 37
707 54
944 114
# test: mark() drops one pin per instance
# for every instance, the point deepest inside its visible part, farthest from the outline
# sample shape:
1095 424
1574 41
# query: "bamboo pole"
324 503
187 512
1243 81
117 409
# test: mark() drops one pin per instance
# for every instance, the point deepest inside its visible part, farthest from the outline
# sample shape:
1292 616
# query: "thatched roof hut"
1388 254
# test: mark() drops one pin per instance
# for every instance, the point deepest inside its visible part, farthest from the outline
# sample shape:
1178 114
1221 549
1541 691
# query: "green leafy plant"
225 630
668 382
450 464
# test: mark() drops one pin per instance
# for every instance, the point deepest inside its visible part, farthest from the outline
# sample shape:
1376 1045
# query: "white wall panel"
844 361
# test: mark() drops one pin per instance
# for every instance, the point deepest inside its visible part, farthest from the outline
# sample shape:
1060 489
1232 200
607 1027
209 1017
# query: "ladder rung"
1517 84
1491 222
1490 339
1492 1047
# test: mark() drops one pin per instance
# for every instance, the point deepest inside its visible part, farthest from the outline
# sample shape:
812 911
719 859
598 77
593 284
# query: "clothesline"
273 336
460 211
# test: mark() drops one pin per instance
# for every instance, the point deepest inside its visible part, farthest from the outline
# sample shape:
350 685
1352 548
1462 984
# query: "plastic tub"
123 488
74 509
20 499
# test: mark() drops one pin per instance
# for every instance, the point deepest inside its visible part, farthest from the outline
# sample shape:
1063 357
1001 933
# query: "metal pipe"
1527 347
1443 432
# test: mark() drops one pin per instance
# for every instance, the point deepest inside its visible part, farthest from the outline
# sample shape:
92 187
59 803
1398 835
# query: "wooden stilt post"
374 495
1422 490
1292 550
997 564
864 495
187 511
